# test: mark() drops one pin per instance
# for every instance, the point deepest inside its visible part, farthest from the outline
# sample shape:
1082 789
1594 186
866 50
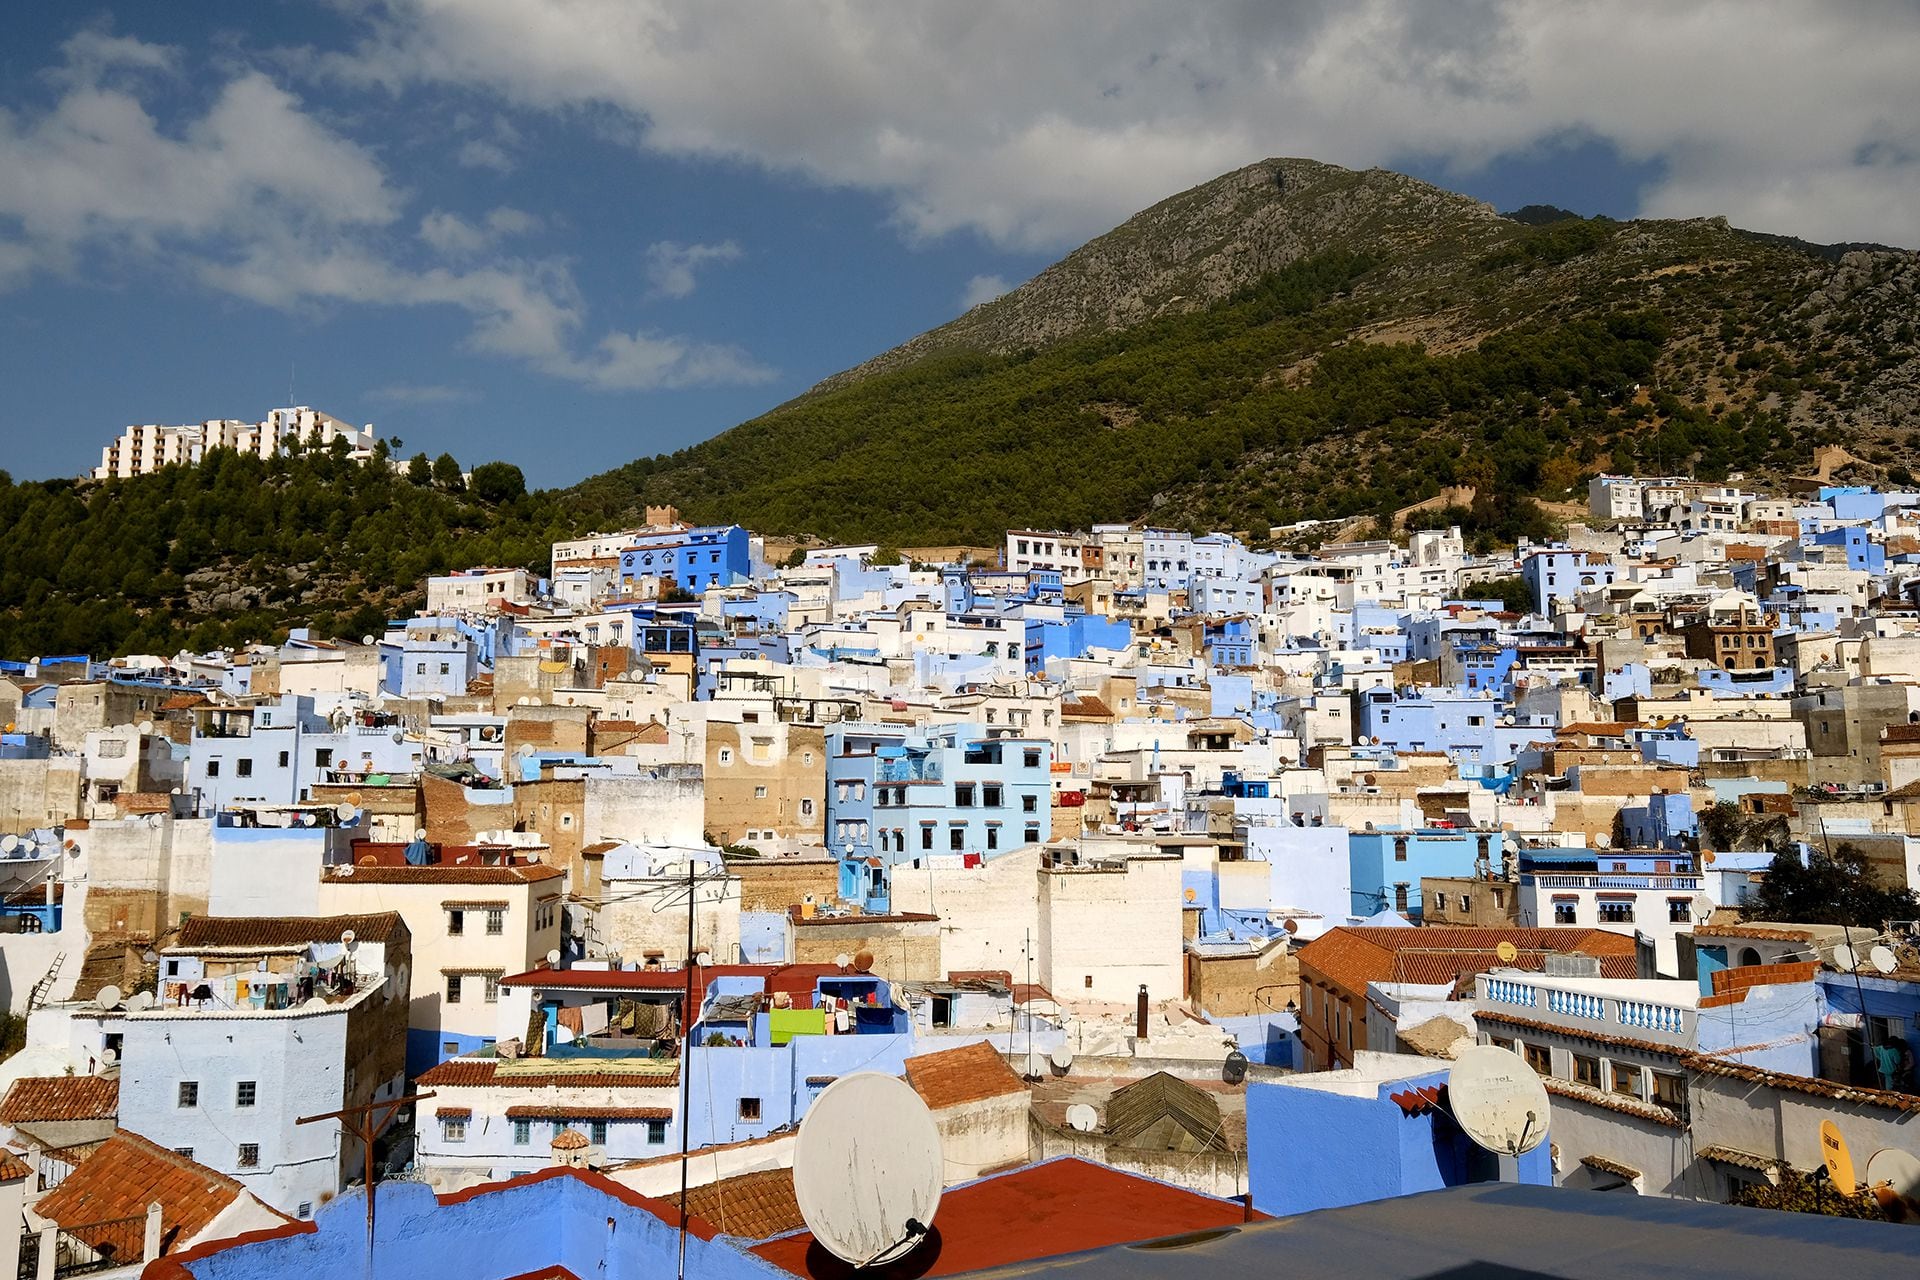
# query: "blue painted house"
1386 866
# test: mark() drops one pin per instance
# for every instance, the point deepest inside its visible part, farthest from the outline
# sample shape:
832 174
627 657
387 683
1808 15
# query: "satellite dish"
1497 1100
868 1169
1893 1176
1708 857
139 1001
1061 1058
109 997
146 727
863 962
9 843
1191 895
1507 952
346 937
419 833
703 958
366 639
842 960
108 1057
344 811
1234 1070
399 736
553 956
1845 960
1290 925
1082 1118
1883 958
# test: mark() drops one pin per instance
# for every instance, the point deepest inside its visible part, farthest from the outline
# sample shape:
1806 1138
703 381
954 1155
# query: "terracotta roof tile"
12 1166
1772 933
753 1206
1354 956
280 931
1802 1084
124 1175
549 1111
972 1073
480 1072
1620 1102
570 1140
48 1098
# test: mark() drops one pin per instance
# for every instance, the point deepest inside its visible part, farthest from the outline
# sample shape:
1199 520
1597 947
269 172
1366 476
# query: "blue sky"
570 235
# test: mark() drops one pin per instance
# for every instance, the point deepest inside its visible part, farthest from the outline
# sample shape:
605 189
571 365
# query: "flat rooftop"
1499 1231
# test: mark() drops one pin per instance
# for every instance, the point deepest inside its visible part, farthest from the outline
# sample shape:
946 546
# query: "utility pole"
686 1047
365 1123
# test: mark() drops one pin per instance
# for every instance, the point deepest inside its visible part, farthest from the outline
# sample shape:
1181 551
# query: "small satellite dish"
9 843
139 1001
399 736
344 811
868 1169
146 727
1082 1118
1191 895
1290 925
366 639
553 957
842 960
703 958
108 1057
1708 857
1234 1069
1893 1177
346 937
419 833
1507 952
109 997
1883 959
1061 1058
1497 1100
863 962
1845 960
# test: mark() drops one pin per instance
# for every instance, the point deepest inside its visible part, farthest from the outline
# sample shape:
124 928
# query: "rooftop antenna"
868 1169
1497 1100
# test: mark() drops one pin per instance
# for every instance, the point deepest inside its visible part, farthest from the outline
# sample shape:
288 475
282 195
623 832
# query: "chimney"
1140 1013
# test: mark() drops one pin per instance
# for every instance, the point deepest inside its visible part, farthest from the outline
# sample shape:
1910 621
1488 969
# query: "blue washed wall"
1270 1039
487 1237
763 937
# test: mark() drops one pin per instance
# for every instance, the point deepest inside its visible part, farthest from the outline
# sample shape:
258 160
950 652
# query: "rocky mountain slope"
1298 340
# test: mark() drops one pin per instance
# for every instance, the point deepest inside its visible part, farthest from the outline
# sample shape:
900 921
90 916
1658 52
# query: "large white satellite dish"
1082 1118
1497 1100
109 997
1061 1058
1893 1178
1883 959
1845 960
139 1001
9 843
868 1169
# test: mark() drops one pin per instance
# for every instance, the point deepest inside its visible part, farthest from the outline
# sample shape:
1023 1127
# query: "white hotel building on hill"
145 448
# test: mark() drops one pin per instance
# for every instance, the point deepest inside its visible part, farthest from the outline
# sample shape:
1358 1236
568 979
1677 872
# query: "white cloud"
671 267
259 200
453 236
1037 125
982 289
481 154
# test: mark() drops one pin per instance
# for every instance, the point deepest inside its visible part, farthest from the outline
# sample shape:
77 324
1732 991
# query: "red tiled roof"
281 931
1770 933
1353 956
1730 986
1802 1084
971 1073
479 1072
48 1098
554 1111
753 1206
127 1173
12 1167
1041 1211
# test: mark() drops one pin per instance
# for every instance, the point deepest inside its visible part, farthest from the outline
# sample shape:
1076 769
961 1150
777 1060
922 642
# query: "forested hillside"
237 549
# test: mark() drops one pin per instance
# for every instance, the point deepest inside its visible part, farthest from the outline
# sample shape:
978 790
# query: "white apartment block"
148 447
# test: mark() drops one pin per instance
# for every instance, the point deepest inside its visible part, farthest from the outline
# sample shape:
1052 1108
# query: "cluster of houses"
1157 864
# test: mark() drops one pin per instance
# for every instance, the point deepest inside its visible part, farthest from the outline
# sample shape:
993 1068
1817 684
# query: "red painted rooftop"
1040 1211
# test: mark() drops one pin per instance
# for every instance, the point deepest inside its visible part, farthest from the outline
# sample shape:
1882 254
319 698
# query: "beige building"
765 778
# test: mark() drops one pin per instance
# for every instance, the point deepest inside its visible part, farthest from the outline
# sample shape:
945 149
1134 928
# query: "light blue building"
273 753
1386 866
902 795
1555 575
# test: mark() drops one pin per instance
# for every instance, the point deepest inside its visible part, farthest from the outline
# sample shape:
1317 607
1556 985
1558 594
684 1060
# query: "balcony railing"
1617 880
1521 993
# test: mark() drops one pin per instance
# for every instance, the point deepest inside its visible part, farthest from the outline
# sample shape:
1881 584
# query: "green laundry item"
788 1023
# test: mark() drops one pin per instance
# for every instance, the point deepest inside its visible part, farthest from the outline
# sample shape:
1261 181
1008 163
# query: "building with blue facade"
1386 866
691 559
895 795
1555 575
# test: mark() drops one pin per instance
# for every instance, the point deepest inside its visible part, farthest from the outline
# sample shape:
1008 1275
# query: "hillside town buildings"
1158 864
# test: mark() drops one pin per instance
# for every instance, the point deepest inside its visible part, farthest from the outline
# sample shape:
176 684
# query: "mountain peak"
1205 244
